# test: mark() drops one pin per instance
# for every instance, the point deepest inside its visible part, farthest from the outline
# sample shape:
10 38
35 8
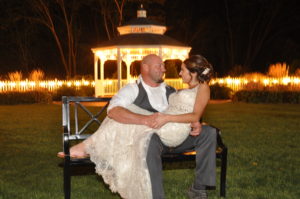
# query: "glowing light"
229 81
266 81
51 83
237 81
23 83
77 83
32 84
296 80
69 84
110 85
286 80
42 84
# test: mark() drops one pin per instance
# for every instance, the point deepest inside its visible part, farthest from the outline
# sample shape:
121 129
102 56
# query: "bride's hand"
151 120
160 119
156 120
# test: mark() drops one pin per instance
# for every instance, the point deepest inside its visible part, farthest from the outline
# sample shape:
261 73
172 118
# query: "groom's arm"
123 115
117 109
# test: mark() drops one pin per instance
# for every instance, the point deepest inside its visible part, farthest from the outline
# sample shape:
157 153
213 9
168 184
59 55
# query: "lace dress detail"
119 150
173 134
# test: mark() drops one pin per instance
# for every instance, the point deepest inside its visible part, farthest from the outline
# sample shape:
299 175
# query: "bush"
220 92
83 91
29 97
36 75
86 91
15 76
267 96
63 91
278 70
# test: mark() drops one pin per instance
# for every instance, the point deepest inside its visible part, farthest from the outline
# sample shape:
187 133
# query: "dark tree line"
239 36
236 36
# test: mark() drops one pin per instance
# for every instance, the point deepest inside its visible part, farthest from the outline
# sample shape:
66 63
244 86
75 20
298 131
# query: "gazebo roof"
142 31
142 21
139 39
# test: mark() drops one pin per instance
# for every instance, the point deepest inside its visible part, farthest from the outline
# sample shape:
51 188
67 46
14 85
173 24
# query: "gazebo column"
102 82
119 66
96 67
102 61
128 64
99 83
160 52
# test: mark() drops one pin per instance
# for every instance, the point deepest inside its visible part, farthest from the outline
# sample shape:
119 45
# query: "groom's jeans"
205 146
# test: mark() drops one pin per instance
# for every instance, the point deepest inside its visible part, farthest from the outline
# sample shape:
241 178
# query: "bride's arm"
201 101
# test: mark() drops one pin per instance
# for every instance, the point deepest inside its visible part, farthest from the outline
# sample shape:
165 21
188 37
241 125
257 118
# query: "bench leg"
67 178
223 173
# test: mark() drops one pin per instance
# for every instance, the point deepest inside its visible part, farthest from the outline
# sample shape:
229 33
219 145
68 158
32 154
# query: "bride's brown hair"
198 64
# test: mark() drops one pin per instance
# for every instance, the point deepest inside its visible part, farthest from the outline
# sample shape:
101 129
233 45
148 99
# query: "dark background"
236 36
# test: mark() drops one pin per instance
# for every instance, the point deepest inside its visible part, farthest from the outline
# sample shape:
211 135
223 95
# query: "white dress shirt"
127 95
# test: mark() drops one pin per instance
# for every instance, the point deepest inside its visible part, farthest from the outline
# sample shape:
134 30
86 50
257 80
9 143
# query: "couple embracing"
147 119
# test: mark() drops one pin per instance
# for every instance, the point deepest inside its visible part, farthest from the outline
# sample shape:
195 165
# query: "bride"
119 150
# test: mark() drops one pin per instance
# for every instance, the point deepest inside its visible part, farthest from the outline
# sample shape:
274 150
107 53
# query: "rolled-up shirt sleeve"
124 97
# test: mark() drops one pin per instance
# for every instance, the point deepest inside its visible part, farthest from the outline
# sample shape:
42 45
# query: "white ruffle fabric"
119 150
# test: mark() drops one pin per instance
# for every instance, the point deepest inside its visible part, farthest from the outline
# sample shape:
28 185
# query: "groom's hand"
196 128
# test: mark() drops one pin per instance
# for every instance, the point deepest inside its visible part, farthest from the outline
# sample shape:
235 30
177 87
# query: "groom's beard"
160 81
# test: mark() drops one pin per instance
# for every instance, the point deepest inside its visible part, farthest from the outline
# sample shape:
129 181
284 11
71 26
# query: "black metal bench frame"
75 133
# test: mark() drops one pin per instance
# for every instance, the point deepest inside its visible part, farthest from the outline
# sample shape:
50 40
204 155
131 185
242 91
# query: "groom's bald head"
148 59
152 69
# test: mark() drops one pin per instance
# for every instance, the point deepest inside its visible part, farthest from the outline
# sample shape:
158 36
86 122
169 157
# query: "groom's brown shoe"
197 194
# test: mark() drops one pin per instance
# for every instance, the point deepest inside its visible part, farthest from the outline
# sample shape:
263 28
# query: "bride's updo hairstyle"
198 64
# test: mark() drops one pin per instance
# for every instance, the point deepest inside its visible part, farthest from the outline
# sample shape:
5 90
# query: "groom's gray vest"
142 99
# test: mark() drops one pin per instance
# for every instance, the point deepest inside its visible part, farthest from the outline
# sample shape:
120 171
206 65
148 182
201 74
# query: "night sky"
236 36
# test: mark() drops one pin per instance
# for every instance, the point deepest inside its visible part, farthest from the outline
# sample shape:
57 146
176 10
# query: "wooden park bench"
74 129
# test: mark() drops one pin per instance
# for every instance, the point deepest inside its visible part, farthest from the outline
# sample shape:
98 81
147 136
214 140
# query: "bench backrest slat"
76 133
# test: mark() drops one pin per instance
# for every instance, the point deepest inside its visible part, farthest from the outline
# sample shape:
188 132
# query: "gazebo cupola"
142 25
138 38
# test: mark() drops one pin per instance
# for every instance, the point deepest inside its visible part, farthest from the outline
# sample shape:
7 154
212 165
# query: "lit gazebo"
138 38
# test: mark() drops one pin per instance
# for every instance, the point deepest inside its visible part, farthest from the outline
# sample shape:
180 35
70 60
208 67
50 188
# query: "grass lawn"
263 162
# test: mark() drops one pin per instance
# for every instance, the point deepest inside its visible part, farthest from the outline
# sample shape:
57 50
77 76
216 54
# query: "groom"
151 93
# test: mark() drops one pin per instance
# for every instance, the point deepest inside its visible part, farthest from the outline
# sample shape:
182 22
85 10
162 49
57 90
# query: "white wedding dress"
119 150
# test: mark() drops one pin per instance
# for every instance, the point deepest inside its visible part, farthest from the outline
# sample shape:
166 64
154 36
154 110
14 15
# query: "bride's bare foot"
76 151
